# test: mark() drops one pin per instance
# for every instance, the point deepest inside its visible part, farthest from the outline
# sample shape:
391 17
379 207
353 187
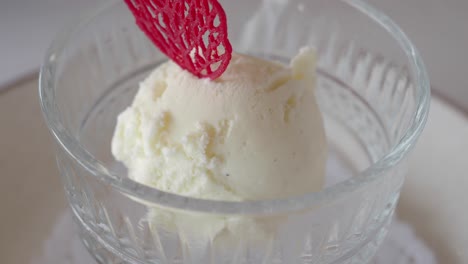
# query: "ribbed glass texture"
374 95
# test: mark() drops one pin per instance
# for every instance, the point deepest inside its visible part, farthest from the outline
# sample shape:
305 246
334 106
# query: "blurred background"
438 28
433 198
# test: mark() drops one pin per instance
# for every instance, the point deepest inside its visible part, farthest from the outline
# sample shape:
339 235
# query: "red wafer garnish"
193 33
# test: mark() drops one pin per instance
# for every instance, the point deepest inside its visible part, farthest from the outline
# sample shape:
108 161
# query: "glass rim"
258 207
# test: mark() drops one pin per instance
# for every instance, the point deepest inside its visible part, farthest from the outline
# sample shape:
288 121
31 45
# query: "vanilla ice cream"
254 133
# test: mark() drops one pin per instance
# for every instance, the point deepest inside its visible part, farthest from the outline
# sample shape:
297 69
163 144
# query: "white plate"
31 196
435 195
431 198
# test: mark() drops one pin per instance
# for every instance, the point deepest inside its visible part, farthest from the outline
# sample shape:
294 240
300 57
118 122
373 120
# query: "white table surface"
26 29
438 28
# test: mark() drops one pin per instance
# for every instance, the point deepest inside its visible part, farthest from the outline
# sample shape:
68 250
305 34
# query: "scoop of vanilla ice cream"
254 133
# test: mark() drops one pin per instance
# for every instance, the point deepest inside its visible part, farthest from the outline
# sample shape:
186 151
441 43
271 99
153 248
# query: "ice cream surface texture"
254 133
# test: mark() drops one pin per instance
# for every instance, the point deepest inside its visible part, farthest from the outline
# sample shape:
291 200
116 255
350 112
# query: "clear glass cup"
372 89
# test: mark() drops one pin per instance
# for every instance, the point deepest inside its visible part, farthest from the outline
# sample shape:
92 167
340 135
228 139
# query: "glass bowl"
373 91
